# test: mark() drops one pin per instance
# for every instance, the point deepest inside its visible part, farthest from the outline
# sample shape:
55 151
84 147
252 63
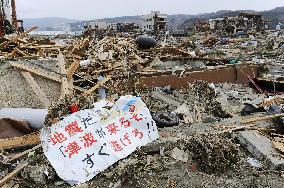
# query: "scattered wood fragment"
36 88
36 71
100 84
18 51
276 100
19 155
249 121
7 178
24 34
254 119
27 140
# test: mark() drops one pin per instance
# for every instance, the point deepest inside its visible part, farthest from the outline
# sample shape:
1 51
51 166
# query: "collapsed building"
202 26
244 22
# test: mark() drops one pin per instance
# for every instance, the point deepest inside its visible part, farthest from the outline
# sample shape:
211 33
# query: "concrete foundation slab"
261 147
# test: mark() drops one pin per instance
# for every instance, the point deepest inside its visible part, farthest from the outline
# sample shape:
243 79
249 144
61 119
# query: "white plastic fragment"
255 163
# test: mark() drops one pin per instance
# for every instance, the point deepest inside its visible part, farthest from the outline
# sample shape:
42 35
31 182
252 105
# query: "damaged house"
244 22
155 21
127 27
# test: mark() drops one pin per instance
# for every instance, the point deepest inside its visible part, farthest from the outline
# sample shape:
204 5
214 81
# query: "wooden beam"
16 142
249 121
7 178
36 71
36 89
54 77
101 83
64 82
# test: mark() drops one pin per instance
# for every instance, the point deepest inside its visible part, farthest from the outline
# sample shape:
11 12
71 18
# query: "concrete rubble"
217 102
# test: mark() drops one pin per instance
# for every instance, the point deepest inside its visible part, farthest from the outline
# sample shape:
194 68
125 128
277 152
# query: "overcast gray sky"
89 9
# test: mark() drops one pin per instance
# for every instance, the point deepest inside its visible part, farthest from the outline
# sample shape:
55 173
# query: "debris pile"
111 53
105 112
214 154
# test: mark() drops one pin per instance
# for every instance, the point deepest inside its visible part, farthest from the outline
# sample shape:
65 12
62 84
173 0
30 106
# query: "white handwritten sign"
88 142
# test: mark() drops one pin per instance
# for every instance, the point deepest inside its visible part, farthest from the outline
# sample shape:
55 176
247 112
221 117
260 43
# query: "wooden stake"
64 81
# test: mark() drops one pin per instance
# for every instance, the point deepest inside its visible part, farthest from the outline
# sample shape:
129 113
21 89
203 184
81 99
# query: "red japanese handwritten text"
138 134
112 128
116 146
124 123
73 128
88 140
125 140
57 138
135 117
73 148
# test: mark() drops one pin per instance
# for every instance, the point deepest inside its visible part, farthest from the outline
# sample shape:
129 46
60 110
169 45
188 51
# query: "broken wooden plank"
101 83
36 88
31 139
71 70
254 119
7 178
48 46
276 100
249 121
64 82
19 155
22 53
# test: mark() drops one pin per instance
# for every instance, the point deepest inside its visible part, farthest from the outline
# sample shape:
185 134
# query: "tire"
165 119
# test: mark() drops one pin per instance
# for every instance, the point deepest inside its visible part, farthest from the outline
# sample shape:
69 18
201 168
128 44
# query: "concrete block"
261 147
